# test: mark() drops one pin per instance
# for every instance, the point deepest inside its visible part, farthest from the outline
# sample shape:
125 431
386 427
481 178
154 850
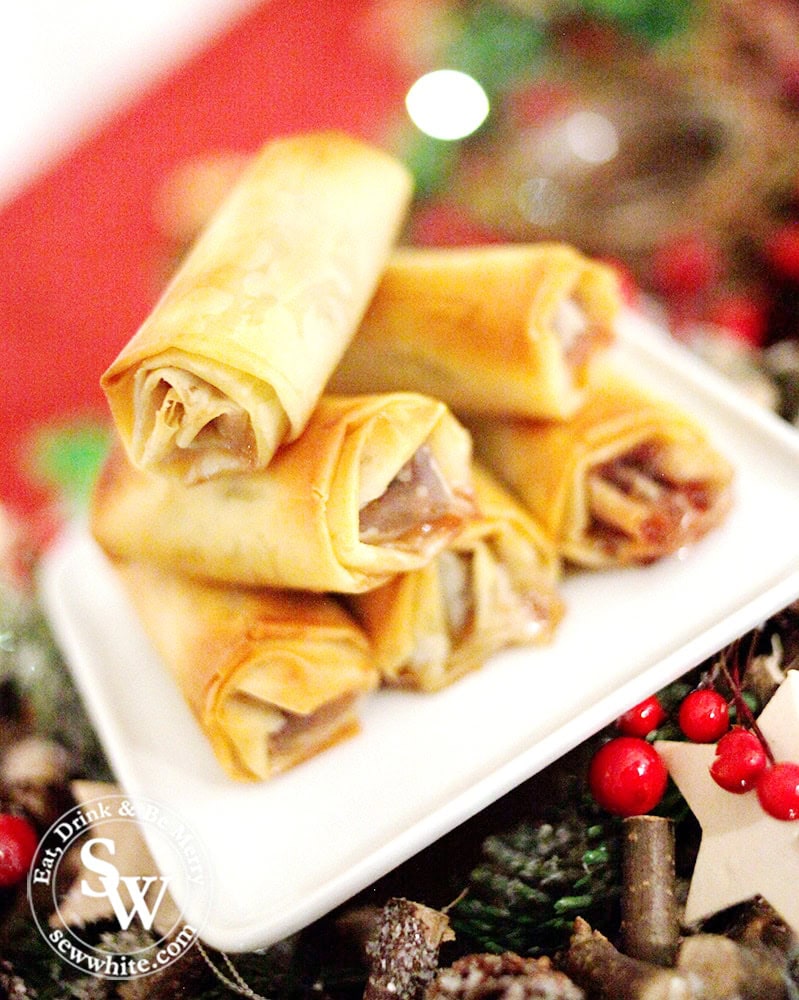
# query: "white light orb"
592 137
447 104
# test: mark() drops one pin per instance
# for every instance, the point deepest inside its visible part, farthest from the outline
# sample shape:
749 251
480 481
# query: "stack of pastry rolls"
241 495
514 338
295 506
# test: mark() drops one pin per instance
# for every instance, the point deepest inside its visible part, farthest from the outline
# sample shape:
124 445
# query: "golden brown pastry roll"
376 485
493 587
236 353
628 479
493 329
273 677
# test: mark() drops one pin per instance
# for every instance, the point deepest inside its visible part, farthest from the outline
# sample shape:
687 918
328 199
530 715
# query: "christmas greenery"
535 879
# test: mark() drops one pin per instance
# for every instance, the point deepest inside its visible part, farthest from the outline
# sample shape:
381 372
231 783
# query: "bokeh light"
592 137
447 104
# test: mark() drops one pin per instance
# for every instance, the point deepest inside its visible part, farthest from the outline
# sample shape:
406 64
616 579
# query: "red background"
78 247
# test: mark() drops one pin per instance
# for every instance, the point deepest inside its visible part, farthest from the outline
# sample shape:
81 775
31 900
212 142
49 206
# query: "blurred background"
660 135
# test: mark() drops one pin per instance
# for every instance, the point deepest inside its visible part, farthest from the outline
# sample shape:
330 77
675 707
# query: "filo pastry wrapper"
493 587
211 382
629 479
272 676
495 329
376 485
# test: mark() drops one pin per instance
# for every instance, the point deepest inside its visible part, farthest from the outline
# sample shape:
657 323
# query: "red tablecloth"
78 248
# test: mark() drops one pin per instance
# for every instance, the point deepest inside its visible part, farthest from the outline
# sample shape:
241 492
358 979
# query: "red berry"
684 265
642 718
742 315
704 716
627 776
18 843
778 790
739 762
782 251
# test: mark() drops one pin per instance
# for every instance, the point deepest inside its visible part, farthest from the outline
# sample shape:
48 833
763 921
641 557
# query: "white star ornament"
744 852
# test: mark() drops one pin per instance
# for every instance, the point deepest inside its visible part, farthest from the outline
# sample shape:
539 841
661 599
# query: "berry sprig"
627 777
745 762
748 762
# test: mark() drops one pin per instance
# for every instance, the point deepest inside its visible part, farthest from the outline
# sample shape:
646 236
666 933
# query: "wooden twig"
606 974
650 926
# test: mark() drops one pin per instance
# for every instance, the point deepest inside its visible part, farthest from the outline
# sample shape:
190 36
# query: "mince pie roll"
493 587
375 485
628 479
494 329
273 677
236 353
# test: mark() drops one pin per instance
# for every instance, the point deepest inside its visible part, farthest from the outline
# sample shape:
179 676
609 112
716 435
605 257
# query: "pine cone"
536 878
501 977
403 954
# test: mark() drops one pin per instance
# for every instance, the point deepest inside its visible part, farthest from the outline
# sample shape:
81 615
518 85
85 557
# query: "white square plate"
285 852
